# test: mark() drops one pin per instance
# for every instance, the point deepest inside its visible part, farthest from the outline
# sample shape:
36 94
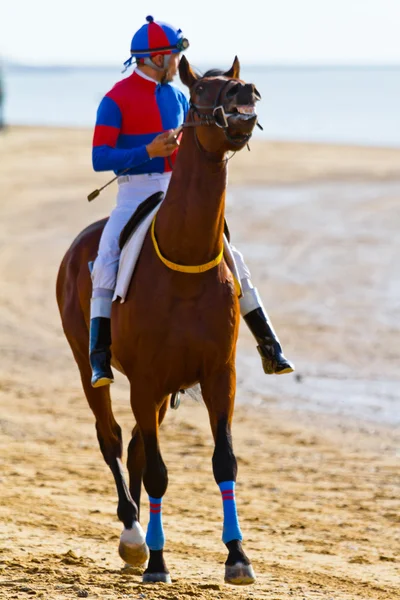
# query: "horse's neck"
190 222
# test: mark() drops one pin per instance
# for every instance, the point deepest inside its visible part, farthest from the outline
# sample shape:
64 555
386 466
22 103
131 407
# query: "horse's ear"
186 73
234 71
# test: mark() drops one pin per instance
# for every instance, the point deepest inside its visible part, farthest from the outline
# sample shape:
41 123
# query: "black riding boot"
100 354
270 350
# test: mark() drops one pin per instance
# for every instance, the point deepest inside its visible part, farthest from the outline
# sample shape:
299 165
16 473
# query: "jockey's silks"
129 117
155 534
231 530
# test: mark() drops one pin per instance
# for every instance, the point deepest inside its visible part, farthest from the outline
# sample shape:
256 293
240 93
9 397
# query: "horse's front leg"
219 395
137 461
149 416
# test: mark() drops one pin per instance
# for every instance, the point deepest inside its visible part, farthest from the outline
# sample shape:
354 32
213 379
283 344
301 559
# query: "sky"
98 32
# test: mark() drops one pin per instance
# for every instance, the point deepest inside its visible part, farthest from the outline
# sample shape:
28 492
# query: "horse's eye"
200 89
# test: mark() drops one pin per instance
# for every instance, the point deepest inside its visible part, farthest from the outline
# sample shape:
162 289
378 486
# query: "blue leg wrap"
231 529
155 538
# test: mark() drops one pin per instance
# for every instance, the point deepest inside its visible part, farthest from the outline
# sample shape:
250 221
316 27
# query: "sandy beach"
318 451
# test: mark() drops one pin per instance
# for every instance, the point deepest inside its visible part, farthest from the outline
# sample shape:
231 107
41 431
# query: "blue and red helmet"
156 38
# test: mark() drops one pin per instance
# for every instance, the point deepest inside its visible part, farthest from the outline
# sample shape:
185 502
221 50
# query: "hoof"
156 577
132 546
135 556
239 574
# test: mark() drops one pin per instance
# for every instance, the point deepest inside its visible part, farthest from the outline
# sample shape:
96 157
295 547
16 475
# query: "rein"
218 117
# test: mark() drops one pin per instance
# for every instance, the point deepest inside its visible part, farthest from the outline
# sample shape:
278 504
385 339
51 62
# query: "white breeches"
132 191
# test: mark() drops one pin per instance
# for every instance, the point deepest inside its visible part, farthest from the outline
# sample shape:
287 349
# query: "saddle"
141 213
145 208
132 238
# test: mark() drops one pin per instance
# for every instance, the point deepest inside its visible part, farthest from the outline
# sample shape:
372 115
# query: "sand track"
318 488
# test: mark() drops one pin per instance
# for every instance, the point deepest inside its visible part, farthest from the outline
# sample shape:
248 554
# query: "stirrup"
175 401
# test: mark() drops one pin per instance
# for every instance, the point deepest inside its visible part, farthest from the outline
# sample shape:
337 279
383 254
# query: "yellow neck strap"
183 268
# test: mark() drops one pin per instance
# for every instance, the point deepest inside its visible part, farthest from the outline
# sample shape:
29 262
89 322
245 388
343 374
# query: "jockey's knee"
99 292
104 273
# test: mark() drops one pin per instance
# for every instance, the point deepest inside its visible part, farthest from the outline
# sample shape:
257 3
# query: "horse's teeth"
246 110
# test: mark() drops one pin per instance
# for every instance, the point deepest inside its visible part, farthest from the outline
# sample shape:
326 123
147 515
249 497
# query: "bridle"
216 115
219 118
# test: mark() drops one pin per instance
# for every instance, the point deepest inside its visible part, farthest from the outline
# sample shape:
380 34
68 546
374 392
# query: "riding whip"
96 193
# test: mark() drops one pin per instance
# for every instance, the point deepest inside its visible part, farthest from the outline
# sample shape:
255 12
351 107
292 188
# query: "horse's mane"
209 73
213 73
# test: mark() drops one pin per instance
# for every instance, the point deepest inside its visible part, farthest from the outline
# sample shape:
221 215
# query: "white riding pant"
132 191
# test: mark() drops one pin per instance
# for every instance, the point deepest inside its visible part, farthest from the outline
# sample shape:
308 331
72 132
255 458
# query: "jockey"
133 125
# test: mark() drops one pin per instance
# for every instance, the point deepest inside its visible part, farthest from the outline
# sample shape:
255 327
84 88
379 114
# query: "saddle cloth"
131 252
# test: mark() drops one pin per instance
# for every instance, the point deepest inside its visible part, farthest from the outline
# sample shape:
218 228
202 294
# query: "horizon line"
7 63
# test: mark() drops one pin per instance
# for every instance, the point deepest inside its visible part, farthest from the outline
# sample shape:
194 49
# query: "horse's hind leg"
148 416
219 392
132 548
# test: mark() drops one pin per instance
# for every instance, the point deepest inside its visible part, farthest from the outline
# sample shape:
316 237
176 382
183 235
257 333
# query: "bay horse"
175 329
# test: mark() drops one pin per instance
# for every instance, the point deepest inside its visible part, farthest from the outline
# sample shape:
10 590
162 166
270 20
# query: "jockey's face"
172 69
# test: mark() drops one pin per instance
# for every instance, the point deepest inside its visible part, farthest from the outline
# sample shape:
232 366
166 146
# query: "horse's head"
224 104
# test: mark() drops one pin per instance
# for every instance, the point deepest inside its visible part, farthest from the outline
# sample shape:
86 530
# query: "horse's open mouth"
242 120
241 114
246 110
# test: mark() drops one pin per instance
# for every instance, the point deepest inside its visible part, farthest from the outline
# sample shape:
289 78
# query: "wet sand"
318 453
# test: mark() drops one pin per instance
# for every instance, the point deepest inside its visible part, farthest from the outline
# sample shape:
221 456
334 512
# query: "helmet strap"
147 61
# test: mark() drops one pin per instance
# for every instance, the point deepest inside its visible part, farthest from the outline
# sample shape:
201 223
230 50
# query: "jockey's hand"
162 145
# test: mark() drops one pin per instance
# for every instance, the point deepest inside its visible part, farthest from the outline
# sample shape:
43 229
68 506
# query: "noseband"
218 117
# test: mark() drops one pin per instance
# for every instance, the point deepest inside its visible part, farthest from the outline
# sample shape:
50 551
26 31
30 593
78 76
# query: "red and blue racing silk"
129 117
